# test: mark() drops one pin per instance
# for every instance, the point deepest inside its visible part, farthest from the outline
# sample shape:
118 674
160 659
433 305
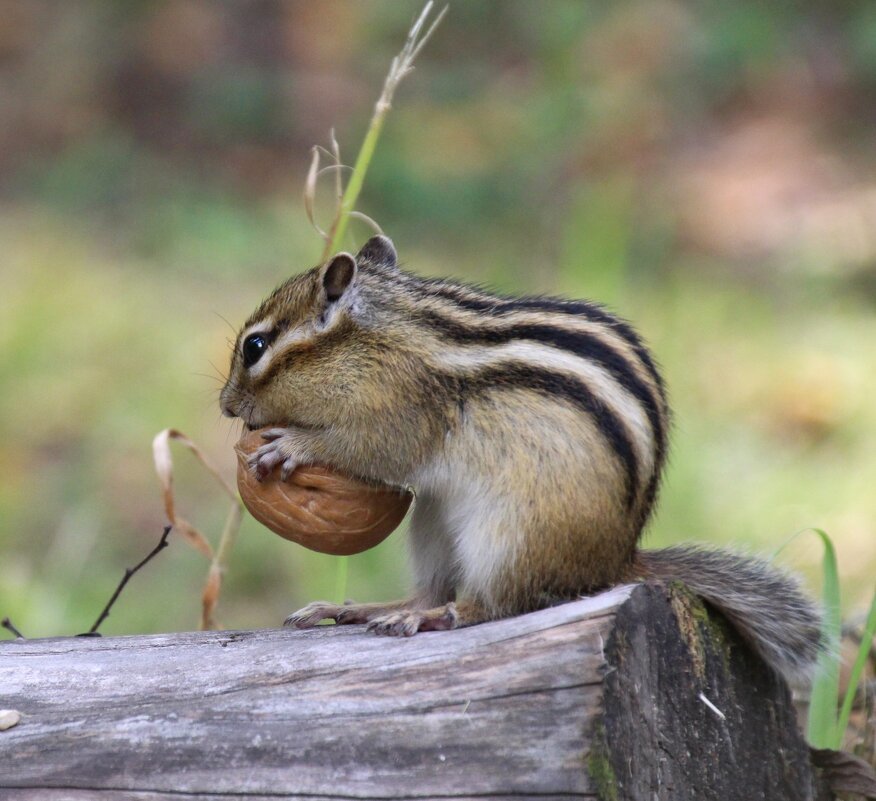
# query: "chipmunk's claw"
271 454
396 624
263 462
408 622
274 433
312 614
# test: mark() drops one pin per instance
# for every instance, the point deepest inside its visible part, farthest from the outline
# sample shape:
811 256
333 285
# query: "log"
636 693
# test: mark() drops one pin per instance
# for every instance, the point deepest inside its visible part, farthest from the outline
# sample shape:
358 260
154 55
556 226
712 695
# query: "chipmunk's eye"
253 348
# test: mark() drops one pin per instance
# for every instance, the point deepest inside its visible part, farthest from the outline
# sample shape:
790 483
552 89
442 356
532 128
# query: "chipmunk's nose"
226 401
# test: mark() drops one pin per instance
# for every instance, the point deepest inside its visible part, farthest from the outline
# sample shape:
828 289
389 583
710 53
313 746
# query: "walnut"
318 507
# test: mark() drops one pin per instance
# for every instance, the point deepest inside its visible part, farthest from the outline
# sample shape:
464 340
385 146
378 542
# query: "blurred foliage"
705 168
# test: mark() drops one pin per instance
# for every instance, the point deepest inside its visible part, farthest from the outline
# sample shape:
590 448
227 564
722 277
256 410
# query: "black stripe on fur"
558 386
581 343
500 306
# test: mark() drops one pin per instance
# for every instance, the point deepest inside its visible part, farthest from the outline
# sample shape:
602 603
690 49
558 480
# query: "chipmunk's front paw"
312 614
281 448
408 622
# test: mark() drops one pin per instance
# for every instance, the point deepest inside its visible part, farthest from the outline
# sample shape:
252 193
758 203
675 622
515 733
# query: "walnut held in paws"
319 508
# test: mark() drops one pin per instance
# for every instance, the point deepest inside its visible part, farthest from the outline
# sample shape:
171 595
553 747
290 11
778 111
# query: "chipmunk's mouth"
287 424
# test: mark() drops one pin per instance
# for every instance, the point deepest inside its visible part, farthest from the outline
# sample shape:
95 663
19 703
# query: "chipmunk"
533 431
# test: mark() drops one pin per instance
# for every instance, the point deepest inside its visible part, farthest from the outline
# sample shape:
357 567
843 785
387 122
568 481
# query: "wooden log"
636 693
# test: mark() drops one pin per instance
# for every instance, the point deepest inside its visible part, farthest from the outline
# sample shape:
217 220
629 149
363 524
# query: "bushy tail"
765 605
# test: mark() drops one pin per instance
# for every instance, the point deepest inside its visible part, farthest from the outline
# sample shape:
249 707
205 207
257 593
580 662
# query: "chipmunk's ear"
380 251
337 276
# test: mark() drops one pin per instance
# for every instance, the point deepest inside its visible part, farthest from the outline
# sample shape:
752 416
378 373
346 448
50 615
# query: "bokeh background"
707 169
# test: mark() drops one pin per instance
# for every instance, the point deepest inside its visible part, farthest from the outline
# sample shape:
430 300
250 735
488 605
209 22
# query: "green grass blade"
357 180
401 66
822 728
341 579
857 671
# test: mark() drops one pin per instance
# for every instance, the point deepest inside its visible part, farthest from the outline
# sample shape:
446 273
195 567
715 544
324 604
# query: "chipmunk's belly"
517 484
466 516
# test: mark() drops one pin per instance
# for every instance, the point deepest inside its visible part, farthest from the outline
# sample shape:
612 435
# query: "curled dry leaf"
320 508
218 558
164 468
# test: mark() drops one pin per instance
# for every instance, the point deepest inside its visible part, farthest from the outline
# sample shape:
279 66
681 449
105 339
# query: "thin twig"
129 571
10 626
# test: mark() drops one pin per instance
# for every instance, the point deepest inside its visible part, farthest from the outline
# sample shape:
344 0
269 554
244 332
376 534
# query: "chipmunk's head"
294 357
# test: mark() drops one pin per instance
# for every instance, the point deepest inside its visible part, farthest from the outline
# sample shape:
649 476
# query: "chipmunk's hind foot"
407 622
348 613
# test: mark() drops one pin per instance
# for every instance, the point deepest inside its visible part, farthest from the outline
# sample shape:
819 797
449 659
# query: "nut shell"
320 508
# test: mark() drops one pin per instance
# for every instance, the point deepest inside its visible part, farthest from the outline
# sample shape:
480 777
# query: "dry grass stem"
367 220
218 557
345 199
310 192
403 63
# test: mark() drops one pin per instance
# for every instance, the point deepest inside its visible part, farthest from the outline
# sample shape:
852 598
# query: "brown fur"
532 430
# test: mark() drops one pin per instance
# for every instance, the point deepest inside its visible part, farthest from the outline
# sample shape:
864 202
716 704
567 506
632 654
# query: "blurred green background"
707 169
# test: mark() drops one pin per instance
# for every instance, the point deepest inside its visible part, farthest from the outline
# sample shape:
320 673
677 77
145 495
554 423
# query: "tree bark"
633 694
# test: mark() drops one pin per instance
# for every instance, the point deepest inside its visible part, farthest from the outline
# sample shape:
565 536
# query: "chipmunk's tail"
765 605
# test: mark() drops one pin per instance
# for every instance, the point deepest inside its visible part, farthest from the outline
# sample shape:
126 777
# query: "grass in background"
826 725
822 722
78 499
868 634
524 159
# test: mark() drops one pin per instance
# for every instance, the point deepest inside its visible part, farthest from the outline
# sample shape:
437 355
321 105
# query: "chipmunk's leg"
436 567
317 611
407 622
432 559
434 578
